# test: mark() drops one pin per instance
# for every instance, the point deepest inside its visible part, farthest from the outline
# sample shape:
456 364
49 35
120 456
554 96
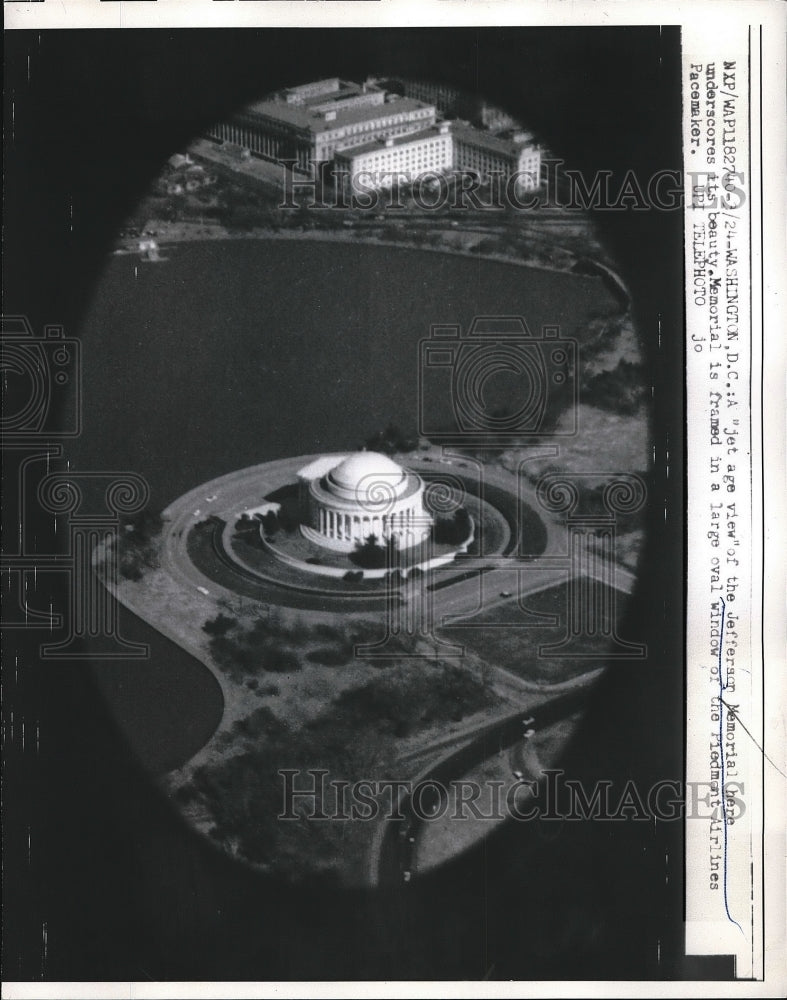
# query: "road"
396 850
452 595
226 498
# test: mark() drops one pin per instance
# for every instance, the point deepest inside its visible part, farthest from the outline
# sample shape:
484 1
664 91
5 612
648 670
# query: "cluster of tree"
242 793
372 555
606 335
248 528
489 244
402 701
452 529
392 440
241 651
329 656
622 389
285 520
224 790
138 544
337 646
352 736
219 625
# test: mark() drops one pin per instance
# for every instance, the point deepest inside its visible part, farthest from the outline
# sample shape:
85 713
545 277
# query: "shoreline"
175 234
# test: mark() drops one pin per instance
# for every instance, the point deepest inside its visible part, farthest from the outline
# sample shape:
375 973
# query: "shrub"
266 628
246 525
328 656
144 525
369 554
327 632
137 546
392 440
620 390
231 654
270 523
452 529
219 625
281 661
407 700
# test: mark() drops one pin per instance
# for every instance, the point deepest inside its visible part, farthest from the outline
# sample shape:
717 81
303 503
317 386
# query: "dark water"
165 707
232 354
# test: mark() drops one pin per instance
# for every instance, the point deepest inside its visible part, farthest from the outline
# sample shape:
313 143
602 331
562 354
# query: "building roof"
363 481
322 86
319 467
344 90
398 140
316 121
478 137
360 471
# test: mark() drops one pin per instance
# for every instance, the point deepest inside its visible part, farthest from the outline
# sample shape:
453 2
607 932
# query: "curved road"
479 579
396 851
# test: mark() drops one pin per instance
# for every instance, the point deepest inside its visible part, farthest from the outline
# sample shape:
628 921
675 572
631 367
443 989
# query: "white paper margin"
707 26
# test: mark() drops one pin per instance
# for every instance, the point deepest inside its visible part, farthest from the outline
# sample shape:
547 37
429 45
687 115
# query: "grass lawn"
503 640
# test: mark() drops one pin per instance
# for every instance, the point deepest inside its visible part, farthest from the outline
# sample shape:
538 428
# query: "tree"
452 529
369 553
219 625
393 552
270 523
391 440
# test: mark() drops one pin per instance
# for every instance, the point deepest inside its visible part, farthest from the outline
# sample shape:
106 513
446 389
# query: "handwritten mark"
734 712
722 688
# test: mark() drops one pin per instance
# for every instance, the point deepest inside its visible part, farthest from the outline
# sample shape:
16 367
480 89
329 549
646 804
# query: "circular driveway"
199 523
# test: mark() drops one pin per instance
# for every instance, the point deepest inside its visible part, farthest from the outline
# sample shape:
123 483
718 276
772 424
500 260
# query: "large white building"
484 154
309 124
443 147
371 134
380 164
348 498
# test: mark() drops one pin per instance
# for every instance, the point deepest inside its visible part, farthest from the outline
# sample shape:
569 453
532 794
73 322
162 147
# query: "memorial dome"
362 495
363 475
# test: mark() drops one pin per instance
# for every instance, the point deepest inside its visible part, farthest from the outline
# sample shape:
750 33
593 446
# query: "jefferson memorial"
347 498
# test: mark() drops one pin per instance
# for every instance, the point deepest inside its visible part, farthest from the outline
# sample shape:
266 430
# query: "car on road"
407 875
505 593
